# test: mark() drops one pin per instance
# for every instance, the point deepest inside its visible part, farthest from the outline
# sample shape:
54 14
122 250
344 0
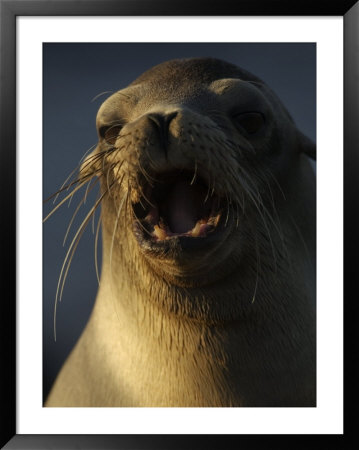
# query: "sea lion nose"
162 122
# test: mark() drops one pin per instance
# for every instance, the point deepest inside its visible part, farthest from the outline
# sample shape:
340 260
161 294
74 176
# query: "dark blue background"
76 73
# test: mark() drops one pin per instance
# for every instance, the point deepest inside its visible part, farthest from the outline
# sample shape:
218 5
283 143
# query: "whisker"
237 215
209 182
93 216
89 187
86 153
64 200
145 197
257 269
147 177
83 201
116 223
274 178
100 94
195 173
64 188
116 169
227 200
90 160
96 246
69 255
301 237
115 228
134 217
117 165
258 203
71 221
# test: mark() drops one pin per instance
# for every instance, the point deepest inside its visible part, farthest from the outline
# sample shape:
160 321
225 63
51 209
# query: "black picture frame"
9 10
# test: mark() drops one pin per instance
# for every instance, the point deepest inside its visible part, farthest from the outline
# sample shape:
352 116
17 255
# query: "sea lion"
207 289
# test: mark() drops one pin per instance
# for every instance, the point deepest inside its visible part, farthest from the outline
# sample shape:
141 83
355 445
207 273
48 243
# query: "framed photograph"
216 135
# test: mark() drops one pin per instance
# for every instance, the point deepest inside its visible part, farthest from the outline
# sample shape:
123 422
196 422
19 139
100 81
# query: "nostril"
168 118
162 122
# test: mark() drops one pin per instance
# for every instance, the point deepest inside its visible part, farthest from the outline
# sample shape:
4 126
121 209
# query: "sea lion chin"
208 228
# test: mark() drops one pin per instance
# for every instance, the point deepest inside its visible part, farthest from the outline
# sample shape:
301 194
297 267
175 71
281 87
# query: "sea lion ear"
307 146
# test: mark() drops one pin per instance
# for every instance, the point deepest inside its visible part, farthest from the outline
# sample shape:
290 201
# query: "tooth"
160 233
196 231
214 220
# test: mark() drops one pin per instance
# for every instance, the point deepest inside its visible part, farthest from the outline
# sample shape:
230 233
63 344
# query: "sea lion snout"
176 195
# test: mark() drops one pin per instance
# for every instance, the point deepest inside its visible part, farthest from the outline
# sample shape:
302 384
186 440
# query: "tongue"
184 206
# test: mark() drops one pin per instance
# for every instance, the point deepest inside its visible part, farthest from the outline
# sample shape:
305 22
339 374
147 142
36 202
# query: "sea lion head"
197 160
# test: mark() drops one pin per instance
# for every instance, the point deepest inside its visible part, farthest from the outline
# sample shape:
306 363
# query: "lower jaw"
180 246
186 261
204 294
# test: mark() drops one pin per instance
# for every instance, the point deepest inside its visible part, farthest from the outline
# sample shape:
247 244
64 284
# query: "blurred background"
73 77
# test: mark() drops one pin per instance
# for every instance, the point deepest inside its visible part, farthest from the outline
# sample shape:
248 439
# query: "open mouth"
176 206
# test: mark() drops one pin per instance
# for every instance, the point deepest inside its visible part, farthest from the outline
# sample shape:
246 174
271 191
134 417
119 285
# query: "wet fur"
231 327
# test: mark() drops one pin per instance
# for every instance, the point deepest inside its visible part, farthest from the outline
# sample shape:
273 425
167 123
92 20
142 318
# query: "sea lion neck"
144 340
177 361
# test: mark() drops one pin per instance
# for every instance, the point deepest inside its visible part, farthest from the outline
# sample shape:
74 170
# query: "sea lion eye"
110 132
250 122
